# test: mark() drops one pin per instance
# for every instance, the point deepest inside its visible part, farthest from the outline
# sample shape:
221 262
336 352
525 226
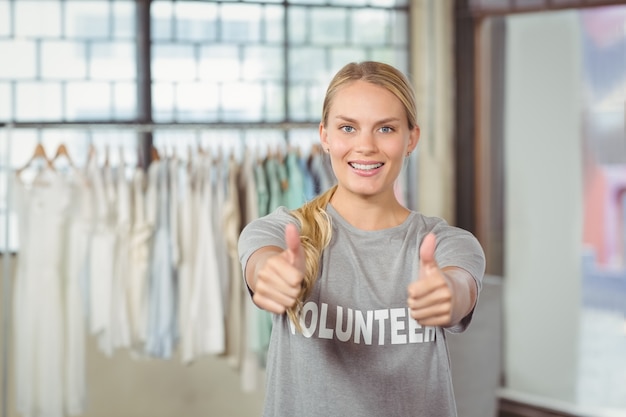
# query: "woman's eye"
386 129
347 129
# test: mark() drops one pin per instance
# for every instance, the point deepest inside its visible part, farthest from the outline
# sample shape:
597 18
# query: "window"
212 63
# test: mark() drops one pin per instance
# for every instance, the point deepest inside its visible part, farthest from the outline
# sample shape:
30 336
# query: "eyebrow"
383 121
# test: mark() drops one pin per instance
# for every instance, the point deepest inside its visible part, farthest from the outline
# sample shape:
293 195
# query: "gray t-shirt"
360 353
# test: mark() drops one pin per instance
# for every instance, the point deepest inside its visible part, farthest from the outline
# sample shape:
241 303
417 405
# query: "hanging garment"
76 258
321 171
295 195
219 177
101 255
120 321
139 255
188 237
42 209
262 190
275 179
231 219
207 312
108 256
251 174
162 330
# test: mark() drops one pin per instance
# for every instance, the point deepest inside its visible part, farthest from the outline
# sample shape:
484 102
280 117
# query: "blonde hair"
315 224
378 73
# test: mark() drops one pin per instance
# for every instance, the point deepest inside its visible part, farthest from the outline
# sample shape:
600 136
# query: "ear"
414 138
323 136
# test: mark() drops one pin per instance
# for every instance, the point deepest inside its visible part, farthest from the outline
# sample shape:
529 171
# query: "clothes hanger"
62 152
154 154
38 154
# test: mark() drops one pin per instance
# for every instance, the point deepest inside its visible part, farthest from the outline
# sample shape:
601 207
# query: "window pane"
263 63
125 101
87 19
5 19
63 59
219 63
349 2
341 56
173 62
398 57
242 102
5 102
89 101
163 99
124 19
196 21
273 25
240 23
37 18
329 26
389 3
161 20
113 61
399 25
369 27
306 102
275 105
298 25
22 55
36 101
197 102
308 64
307 1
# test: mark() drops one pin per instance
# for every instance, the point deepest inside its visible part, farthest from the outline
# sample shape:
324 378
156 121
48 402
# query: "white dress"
37 301
101 256
120 322
78 240
187 232
140 238
207 313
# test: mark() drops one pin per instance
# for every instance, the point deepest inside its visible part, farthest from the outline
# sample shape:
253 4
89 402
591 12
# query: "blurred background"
137 138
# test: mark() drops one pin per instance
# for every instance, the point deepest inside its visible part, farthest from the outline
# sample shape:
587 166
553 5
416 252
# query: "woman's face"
368 137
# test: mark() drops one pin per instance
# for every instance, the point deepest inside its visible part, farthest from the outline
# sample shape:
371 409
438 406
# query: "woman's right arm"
275 275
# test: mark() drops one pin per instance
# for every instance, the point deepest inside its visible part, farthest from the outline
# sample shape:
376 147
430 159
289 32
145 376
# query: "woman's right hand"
275 276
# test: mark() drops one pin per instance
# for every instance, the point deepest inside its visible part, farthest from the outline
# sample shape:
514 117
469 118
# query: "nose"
366 142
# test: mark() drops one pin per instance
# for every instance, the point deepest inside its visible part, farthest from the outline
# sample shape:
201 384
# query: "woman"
362 288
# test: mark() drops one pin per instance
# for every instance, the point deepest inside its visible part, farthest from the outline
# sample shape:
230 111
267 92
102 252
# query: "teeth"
365 167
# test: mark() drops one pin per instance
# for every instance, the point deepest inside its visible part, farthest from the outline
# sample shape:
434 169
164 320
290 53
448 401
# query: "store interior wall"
543 174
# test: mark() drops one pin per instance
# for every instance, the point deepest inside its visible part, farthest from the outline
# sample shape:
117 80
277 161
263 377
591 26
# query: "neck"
369 213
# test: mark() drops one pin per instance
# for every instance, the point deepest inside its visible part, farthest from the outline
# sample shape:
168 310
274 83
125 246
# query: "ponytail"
315 234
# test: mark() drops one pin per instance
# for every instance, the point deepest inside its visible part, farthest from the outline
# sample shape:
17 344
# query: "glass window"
37 19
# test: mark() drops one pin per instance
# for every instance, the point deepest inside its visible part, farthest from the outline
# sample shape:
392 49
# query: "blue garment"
295 195
263 194
162 329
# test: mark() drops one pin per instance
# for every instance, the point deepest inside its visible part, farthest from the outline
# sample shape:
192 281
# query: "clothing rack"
145 128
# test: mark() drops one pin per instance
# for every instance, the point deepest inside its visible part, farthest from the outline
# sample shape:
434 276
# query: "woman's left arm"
440 297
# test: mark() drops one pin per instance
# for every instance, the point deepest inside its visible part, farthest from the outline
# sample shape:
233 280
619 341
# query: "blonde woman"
362 288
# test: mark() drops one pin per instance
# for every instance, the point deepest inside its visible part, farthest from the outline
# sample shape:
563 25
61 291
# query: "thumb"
427 253
294 250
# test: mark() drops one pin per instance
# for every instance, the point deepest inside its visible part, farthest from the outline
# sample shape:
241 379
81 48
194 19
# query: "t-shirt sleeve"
459 248
265 231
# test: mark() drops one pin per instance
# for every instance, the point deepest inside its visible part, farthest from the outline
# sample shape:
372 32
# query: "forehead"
364 98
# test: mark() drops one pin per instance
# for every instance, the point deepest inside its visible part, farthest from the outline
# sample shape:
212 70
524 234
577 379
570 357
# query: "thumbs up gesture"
430 296
440 297
278 274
